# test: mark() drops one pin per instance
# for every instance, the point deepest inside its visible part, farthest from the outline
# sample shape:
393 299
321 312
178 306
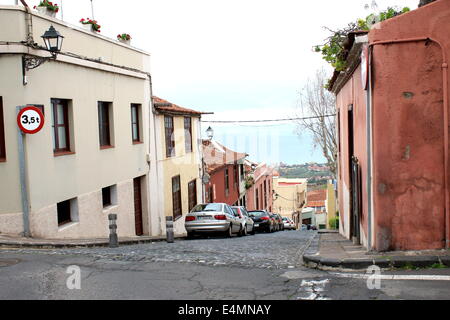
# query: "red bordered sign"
30 120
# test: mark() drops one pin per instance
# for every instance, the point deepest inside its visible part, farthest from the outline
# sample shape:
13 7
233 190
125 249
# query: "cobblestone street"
268 251
260 267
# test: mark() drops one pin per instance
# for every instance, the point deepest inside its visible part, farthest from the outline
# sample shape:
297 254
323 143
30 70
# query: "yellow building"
289 197
331 205
179 160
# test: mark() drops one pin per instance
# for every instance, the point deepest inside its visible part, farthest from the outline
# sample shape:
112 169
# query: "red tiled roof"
313 204
165 106
216 155
289 183
317 195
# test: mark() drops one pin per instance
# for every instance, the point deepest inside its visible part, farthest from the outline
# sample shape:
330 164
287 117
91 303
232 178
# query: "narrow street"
260 267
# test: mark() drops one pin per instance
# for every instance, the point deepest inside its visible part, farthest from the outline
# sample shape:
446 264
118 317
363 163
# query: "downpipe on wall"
446 122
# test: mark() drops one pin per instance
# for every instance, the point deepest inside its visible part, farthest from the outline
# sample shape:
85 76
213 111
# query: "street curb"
317 262
99 244
312 259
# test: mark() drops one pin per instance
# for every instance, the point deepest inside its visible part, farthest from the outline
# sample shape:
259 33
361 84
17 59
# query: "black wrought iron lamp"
53 41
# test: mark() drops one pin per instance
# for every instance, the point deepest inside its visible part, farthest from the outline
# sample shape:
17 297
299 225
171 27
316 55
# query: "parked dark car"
263 221
278 221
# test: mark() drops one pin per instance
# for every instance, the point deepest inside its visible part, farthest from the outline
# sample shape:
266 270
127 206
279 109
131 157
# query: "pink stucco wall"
409 148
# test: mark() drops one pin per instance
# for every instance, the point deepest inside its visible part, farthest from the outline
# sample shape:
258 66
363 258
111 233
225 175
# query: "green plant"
49 5
334 223
95 26
333 50
124 36
249 182
438 266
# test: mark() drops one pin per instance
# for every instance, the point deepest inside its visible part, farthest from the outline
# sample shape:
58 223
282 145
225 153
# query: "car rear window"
213 207
257 213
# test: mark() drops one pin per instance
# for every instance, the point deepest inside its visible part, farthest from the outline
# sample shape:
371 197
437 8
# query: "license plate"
204 218
256 225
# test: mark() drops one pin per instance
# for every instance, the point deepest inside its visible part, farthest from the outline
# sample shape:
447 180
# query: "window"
60 126
257 200
176 197
107 196
211 195
236 175
265 194
227 182
170 139
104 126
67 211
2 133
188 134
135 123
192 194
242 172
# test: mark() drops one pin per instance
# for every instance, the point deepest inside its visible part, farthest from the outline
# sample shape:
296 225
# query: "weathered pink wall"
409 189
408 131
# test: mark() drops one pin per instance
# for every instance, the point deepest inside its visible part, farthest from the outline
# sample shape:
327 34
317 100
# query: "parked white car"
288 224
247 224
212 217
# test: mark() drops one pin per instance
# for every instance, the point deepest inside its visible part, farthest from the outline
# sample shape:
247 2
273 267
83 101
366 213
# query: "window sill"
2 159
67 225
106 147
137 142
63 153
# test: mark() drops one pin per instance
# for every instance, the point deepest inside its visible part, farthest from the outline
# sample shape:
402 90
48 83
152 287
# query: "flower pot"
44 10
88 27
127 42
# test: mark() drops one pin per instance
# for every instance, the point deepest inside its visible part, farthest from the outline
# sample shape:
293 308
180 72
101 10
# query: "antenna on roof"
92 9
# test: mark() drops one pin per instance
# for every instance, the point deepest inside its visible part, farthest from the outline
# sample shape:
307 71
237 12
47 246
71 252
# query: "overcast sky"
242 59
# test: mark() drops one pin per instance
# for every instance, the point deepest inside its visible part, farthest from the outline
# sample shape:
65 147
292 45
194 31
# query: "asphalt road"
260 267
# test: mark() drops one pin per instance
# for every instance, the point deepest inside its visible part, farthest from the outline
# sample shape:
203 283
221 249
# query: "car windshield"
212 207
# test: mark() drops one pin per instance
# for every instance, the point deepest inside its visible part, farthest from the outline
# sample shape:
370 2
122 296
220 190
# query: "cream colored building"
290 197
179 160
104 159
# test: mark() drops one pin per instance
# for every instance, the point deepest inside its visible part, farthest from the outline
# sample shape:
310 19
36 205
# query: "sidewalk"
15 242
329 249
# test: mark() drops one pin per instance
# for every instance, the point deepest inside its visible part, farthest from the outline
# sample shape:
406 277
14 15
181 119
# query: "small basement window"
67 212
109 196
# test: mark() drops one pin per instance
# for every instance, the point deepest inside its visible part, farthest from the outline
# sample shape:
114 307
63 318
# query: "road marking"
393 277
313 289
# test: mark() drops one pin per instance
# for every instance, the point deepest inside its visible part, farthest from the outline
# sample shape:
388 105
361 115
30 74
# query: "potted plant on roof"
90 25
124 38
48 8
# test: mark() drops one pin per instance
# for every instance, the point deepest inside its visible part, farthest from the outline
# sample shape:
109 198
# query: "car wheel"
241 232
230 231
245 231
253 231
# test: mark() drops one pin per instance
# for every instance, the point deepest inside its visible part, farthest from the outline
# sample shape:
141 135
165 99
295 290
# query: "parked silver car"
247 224
212 217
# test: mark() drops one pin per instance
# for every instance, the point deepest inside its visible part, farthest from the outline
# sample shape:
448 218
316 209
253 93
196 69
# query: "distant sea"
270 144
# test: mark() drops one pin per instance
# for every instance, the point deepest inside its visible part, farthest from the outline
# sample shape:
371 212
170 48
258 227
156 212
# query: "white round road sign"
30 120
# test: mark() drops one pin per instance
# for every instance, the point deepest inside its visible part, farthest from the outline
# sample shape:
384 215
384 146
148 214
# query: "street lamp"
210 133
53 43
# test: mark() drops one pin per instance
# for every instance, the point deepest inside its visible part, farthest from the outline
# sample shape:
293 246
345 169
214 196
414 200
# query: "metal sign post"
30 120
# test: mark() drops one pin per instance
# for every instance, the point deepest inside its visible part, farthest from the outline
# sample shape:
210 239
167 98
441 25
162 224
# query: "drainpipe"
446 124
369 151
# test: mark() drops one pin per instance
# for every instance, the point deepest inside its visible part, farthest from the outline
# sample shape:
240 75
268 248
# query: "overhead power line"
274 120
